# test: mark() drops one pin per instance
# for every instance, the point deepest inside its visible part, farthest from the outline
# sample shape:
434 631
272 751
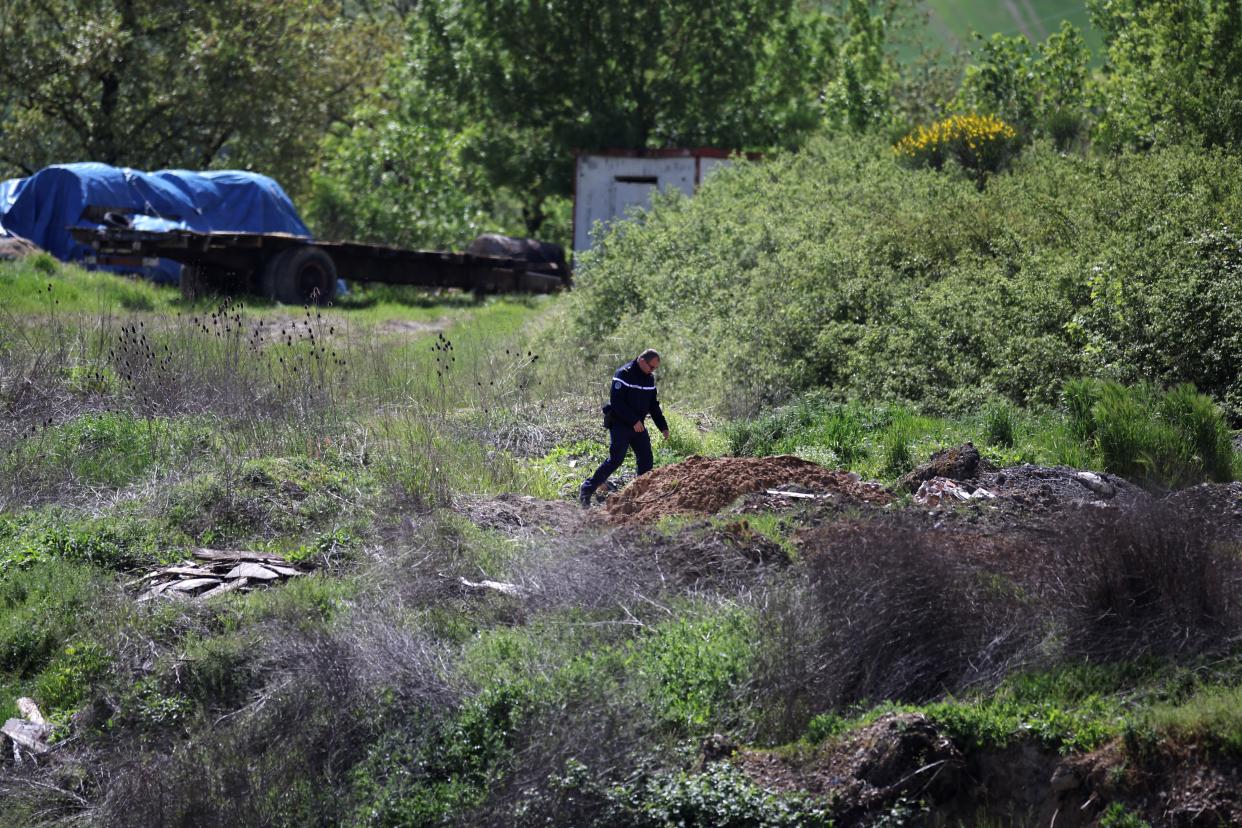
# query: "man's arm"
657 416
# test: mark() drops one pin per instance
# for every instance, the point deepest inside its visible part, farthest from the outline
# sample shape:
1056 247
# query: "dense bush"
1173 72
836 267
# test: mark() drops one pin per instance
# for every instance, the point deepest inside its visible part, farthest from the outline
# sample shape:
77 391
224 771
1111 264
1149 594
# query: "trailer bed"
247 261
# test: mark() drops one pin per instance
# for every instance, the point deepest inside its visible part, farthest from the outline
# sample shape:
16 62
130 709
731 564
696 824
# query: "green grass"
685 672
40 285
952 21
1212 715
886 441
114 449
51 613
1170 438
1080 707
124 538
1072 709
74 290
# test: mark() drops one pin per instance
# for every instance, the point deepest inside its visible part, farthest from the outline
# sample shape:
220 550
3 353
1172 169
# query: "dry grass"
885 612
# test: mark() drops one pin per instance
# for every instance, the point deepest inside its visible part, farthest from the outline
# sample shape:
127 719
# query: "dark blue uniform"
631 398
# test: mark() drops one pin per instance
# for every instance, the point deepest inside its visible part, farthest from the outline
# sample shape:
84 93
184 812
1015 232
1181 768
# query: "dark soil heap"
705 486
958 463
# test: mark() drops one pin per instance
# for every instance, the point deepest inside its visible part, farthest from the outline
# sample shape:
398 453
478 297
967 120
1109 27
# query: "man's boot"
585 491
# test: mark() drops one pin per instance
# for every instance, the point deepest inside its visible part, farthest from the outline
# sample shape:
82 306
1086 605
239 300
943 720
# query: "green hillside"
950 22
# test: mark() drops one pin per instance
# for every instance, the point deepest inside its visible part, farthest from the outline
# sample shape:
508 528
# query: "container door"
632 191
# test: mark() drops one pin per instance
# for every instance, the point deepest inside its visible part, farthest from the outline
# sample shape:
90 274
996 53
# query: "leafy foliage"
721 795
398 174
246 83
899 284
1042 90
1174 72
541 80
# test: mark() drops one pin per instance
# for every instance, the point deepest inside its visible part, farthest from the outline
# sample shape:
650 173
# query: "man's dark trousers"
624 437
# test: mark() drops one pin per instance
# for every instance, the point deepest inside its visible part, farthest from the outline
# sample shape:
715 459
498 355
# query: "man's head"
648 360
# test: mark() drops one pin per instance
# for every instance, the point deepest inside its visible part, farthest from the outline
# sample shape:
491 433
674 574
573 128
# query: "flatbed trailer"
299 270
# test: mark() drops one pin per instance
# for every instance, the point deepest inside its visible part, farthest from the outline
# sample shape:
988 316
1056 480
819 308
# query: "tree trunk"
534 215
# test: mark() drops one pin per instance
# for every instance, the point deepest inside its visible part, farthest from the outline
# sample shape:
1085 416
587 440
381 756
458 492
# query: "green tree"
860 93
396 174
1173 72
544 78
206 83
1041 90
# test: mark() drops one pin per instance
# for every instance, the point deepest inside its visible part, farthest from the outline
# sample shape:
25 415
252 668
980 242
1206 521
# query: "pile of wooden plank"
28 735
214 571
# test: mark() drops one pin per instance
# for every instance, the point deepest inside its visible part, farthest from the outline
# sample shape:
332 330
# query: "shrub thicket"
838 268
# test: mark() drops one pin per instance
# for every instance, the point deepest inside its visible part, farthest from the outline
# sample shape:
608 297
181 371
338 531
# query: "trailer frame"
218 262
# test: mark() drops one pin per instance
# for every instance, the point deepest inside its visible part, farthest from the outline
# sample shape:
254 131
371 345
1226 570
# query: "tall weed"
1160 438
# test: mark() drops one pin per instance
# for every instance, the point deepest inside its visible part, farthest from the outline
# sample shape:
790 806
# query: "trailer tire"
302 275
193 285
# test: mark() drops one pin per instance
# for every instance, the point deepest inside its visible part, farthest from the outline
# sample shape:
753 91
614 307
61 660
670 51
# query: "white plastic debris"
940 491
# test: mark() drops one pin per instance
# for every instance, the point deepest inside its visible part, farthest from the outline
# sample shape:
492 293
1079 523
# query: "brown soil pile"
705 486
15 247
867 771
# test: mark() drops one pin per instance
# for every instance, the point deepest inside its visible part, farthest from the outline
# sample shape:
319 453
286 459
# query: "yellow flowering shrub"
982 144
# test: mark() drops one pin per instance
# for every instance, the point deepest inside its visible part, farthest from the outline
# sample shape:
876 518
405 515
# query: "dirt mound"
1048 487
1216 504
868 771
15 247
705 486
958 463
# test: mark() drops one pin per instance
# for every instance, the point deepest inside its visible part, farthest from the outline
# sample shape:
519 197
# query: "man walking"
632 398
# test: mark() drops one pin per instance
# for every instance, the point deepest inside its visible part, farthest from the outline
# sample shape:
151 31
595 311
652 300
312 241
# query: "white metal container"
608 183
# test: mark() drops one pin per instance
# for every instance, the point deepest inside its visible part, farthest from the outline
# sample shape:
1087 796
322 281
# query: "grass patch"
1168 438
1075 708
1213 715
1171 438
40 284
51 614
124 539
111 449
886 441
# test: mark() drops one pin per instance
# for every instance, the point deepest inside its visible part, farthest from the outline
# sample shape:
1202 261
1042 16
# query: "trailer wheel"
301 275
193 285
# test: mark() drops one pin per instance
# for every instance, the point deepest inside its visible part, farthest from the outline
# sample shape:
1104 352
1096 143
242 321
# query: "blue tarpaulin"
42 207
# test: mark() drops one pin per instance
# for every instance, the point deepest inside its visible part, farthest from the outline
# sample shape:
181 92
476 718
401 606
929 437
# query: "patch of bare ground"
906 757
700 485
525 516
410 329
1174 784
